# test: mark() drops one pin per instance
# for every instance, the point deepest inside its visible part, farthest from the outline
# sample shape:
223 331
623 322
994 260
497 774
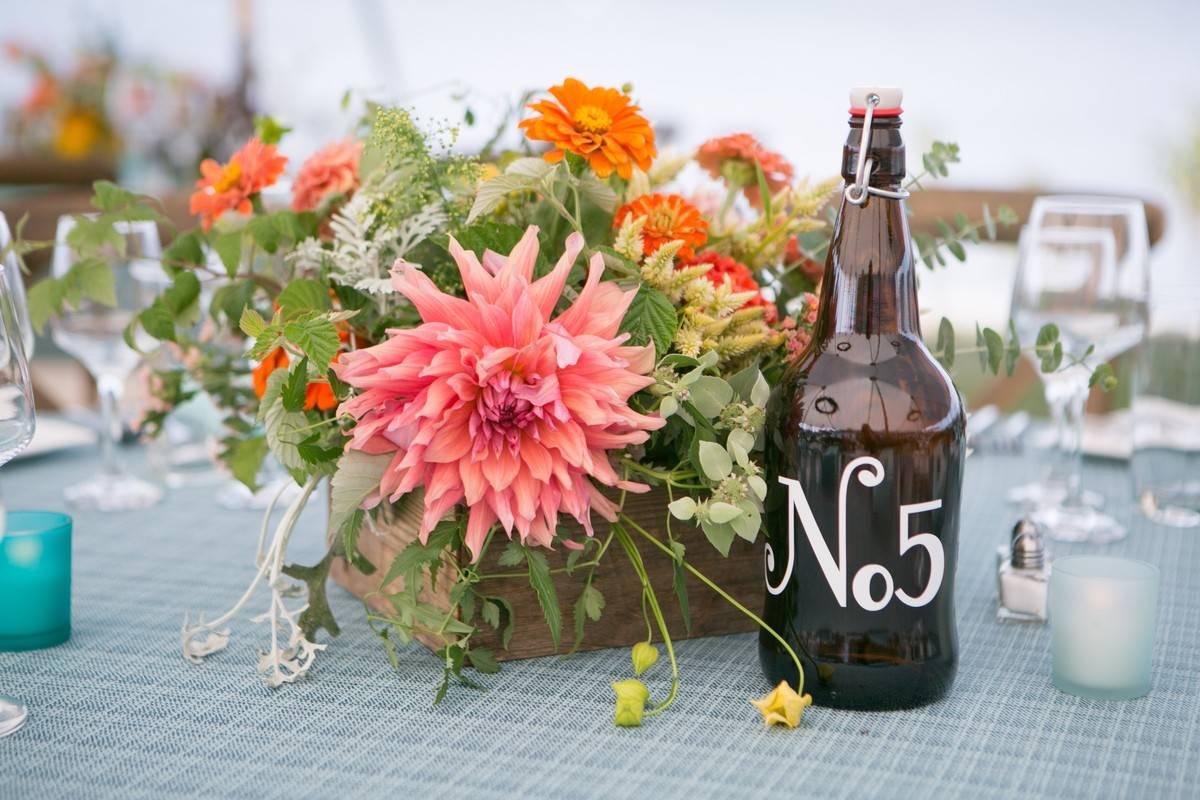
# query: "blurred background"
1097 97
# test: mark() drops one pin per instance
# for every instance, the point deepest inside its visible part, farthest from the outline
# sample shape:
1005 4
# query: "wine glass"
16 430
94 334
16 286
1083 267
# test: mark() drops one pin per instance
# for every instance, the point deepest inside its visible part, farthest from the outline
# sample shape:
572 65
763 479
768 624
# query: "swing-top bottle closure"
870 102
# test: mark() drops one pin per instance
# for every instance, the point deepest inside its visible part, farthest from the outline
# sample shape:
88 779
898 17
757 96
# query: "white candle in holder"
1102 618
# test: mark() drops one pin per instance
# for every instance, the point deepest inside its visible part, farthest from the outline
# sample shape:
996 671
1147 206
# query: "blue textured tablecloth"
117 712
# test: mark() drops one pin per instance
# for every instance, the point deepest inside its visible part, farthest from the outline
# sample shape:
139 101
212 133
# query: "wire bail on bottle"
857 192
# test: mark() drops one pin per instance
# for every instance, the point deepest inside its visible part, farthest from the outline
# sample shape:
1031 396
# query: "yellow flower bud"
631 702
644 655
782 706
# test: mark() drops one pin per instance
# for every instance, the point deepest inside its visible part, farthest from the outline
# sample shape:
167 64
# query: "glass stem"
110 389
1071 436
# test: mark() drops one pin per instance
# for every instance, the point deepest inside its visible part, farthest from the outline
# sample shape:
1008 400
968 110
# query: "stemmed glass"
1083 267
94 334
16 286
16 430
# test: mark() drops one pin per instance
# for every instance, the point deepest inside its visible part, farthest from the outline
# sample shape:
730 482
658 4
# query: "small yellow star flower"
782 706
631 702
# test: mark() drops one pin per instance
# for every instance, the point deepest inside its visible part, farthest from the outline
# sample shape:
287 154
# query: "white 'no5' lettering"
834 567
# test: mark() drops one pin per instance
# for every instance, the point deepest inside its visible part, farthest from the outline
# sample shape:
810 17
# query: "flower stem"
728 597
635 559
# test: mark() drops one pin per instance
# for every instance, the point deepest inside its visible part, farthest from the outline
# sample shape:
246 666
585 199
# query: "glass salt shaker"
1023 576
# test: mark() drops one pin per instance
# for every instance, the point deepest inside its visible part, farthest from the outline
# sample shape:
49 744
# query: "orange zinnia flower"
230 187
600 124
668 218
317 395
733 157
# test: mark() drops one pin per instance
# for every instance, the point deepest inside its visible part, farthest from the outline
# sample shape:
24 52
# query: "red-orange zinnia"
742 151
668 218
602 125
316 395
229 187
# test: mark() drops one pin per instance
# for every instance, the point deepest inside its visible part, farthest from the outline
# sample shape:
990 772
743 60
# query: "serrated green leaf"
483 660
489 612
301 295
513 555
295 387
543 585
650 319
252 323
593 602
315 337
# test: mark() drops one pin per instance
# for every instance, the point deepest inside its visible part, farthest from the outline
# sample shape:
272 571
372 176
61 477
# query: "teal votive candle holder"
35 580
1102 616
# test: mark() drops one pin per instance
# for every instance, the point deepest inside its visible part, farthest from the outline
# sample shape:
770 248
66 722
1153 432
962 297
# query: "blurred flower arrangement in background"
501 340
154 124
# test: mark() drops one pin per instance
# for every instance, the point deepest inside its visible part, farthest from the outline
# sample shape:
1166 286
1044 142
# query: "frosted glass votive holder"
35 580
1102 617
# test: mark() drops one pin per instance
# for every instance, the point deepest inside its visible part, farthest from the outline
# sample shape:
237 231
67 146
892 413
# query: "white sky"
1068 95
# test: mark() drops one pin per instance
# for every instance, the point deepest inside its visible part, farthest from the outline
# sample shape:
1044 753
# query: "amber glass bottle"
864 462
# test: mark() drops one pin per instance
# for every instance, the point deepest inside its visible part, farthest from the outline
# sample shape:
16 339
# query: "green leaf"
416 556
593 602
684 508
513 555
228 247
295 388
181 298
1048 347
303 294
317 614
719 535
316 337
158 322
45 299
956 249
597 192
764 191
650 319
268 129
945 343
522 174
714 461
244 457
995 349
711 395
510 624
252 323
91 279
1013 352
489 611
185 249
488 235
989 224
483 660
1103 377
680 584
357 475
723 512
543 585
264 232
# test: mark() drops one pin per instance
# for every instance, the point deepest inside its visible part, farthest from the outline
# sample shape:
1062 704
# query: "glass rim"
1063 566
54 521
1091 201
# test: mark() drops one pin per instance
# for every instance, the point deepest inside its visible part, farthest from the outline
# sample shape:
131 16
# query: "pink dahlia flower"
332 170
493 403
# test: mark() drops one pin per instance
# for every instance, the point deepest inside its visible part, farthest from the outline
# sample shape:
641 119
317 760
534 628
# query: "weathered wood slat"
622 623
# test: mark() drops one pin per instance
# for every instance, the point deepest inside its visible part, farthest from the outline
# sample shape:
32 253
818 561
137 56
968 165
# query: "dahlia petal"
431 303
548 289
479 523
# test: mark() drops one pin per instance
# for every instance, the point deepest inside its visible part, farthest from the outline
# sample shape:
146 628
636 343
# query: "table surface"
117 711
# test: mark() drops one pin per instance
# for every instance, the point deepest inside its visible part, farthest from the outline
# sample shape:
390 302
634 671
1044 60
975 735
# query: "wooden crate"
622 624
